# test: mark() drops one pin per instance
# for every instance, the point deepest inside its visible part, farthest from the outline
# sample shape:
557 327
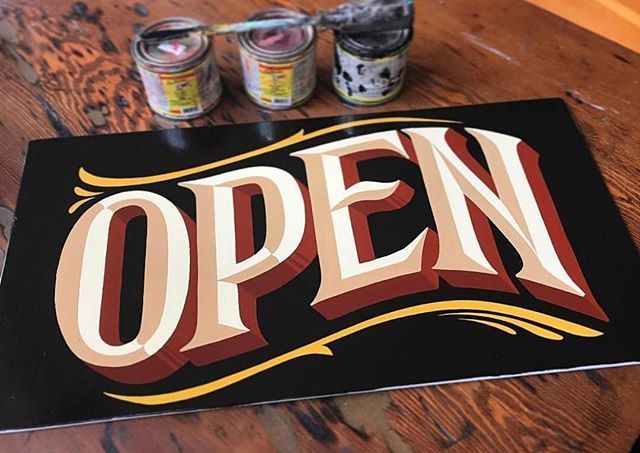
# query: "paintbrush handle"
358 17
243 27
238 27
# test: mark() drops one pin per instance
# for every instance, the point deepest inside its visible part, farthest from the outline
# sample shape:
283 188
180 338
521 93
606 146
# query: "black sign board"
189 269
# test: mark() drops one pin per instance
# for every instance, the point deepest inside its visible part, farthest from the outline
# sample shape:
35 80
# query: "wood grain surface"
618 20
65 70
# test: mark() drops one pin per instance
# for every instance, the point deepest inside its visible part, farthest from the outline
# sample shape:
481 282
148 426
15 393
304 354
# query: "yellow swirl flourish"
536 330
74 207
81 192
319 347
299 137
495 325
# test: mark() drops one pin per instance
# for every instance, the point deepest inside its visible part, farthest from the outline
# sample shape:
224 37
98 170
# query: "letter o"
80 280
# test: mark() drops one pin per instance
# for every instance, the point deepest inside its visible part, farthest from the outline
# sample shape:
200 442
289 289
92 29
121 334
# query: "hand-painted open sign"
191 269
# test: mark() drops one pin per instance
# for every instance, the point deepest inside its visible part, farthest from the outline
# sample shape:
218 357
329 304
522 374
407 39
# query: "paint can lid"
278 43
171 55
375 44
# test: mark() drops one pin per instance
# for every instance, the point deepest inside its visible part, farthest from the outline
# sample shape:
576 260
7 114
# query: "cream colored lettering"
512 207
343 239
218 263
220 272
80 280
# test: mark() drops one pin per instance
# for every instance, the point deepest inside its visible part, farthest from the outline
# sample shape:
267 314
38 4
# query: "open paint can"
279 65
180 76
369 68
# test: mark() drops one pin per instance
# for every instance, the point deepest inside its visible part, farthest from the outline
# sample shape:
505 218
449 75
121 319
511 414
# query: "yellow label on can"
181 92
279 85
184 94
276 82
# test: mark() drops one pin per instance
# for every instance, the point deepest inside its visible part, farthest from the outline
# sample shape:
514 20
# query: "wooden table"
65 69
618 20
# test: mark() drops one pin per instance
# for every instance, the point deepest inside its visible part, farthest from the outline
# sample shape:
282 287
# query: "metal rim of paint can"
189 61
258 61
369 68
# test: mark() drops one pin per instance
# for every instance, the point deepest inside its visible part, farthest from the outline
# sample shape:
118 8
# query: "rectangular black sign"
199 268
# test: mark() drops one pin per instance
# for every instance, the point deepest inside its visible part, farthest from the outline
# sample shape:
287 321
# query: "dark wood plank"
65 69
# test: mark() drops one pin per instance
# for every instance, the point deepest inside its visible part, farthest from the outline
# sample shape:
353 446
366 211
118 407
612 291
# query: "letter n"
515 198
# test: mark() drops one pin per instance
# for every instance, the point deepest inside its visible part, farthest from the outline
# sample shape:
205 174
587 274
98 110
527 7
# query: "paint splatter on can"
180 76
369 68
279 65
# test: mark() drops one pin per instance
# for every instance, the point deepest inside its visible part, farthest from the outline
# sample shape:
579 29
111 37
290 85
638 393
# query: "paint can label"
279 85
185 94
368 81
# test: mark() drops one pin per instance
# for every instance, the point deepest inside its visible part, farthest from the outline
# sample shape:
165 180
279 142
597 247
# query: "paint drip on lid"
278 40
369 68
279 65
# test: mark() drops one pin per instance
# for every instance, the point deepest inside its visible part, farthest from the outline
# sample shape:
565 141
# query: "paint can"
279 65
180 76
369 68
